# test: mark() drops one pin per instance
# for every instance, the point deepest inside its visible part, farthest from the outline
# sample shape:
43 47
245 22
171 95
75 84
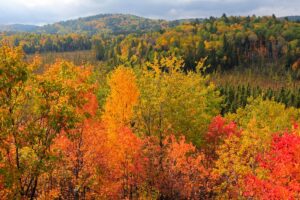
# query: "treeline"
39 43
238 96
227 42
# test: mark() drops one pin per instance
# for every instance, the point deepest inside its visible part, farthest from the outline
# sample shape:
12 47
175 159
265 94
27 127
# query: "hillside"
117 106
18 28
103 23
106 23
294 18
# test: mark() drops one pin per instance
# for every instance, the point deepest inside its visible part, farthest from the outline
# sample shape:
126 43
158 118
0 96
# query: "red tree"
183 173
282 170
218 130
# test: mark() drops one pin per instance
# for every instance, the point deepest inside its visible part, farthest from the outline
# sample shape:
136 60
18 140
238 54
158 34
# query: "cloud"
48 11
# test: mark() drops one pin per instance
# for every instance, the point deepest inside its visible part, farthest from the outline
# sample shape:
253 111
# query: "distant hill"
18 28
103 23
294 18
182 21
106 23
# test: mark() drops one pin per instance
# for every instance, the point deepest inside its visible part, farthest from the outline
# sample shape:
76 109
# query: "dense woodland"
197 109
267 47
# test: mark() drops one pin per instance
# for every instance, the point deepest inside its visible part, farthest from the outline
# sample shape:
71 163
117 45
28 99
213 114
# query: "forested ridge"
193 109
227 41
102 23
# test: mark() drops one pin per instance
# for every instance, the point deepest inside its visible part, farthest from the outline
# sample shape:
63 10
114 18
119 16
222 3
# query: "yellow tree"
237 155
173 101
123 97
123 144
34 110
14 83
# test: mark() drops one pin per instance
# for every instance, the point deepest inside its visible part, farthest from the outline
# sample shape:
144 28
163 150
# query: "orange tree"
34 110
280 176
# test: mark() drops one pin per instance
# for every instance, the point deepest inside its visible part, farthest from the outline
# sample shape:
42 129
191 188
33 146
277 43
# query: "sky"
41 12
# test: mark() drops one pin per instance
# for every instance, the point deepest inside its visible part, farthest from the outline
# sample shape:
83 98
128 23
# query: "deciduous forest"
123 107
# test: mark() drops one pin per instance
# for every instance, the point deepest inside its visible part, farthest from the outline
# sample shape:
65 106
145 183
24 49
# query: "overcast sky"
48 11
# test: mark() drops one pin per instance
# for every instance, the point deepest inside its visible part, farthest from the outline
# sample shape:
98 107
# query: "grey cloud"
16 11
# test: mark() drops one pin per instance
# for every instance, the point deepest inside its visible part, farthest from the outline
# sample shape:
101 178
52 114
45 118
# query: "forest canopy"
199 109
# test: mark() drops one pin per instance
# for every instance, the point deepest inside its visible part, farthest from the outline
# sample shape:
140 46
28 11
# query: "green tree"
172 101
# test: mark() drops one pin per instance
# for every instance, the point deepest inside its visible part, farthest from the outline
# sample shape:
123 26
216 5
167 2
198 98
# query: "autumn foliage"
281 177
150 139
